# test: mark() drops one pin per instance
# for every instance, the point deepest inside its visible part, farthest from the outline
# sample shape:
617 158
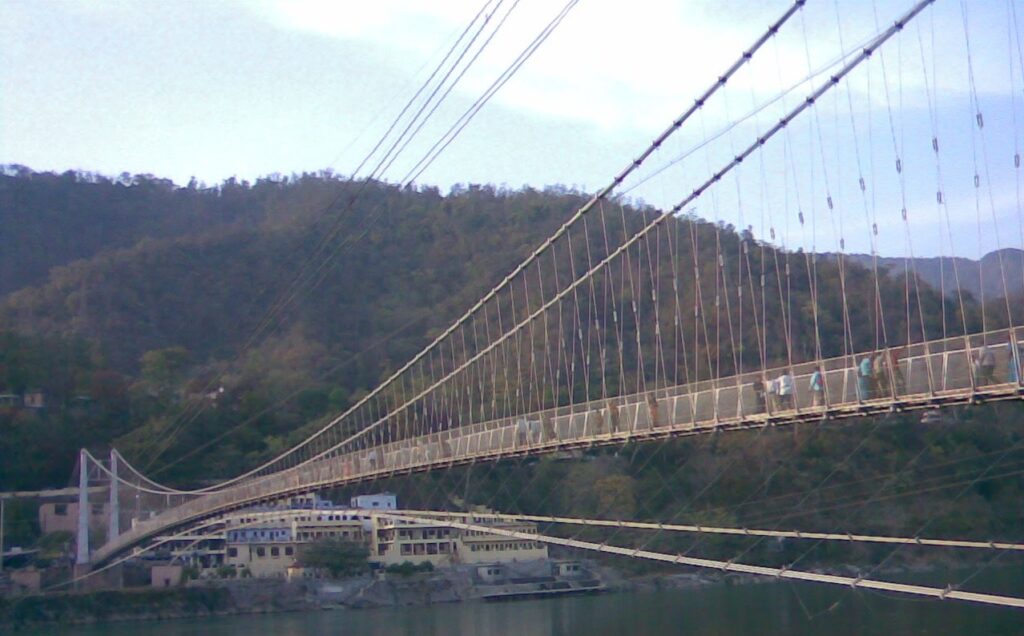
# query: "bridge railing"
935 368
930 369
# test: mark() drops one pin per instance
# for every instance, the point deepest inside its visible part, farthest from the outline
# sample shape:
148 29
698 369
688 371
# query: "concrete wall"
165 576
26 581
56 517
263 560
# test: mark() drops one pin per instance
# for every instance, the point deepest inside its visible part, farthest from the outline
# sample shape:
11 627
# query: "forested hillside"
52 219
148 313
188 302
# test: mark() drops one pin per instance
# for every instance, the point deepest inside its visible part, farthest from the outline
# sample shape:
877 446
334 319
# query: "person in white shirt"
785 388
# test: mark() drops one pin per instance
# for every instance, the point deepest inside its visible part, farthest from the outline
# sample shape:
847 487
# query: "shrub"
408 568
339 557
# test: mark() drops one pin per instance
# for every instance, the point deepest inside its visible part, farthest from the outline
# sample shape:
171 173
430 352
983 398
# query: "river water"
714 610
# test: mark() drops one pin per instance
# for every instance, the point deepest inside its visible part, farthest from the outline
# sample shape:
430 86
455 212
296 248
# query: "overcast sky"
253 87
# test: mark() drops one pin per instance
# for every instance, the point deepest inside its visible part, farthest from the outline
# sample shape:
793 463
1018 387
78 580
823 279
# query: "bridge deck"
924 375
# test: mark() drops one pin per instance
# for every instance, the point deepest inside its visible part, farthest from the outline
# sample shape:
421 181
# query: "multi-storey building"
267 540
394 542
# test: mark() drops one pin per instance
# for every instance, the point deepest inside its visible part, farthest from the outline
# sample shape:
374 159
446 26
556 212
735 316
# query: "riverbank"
201 599
207 598
774 608
145 604
266 596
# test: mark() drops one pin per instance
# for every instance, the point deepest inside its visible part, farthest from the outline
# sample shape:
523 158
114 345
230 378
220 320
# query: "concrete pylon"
114 527
82 541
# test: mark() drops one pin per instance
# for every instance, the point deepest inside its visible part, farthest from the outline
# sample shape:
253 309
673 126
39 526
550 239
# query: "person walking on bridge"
985 366
759 396
899 382
774 401
1015 361
817 386
522 426
785 389
880 374
864 378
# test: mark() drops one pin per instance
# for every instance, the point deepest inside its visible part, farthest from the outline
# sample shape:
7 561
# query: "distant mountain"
982 278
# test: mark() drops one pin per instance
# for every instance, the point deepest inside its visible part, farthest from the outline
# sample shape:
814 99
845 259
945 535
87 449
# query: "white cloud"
635 67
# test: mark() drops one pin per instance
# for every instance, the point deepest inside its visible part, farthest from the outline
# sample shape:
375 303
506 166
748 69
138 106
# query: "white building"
382 501
395 542
267 542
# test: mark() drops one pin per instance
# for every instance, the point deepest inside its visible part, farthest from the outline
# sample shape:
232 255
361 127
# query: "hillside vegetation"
139 309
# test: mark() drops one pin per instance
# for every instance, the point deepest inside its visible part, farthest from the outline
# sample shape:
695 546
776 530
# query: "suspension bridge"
642 325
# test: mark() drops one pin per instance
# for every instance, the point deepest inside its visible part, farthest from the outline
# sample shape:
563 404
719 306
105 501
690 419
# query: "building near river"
271 548
396 541
61 515
382 501
266 541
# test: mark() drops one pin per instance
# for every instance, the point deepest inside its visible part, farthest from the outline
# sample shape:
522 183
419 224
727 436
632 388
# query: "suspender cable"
715 178
599 196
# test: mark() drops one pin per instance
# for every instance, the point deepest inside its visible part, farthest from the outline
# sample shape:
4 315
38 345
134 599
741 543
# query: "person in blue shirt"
864 378
817 386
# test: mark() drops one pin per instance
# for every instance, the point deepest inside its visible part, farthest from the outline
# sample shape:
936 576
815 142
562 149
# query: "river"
789 608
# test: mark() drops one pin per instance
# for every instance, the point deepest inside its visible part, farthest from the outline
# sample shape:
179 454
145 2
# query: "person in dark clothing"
758 387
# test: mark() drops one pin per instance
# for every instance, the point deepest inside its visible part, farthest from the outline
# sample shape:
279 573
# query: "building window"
445 547
261 551
406 549
431 548
275 552
232 552
289 551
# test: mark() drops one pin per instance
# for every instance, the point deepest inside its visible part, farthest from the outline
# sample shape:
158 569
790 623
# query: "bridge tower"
82 542
114 527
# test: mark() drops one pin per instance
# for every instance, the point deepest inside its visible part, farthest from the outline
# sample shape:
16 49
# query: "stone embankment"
252 596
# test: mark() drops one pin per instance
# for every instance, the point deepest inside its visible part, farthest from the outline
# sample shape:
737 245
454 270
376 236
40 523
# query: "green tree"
339 557
616 496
